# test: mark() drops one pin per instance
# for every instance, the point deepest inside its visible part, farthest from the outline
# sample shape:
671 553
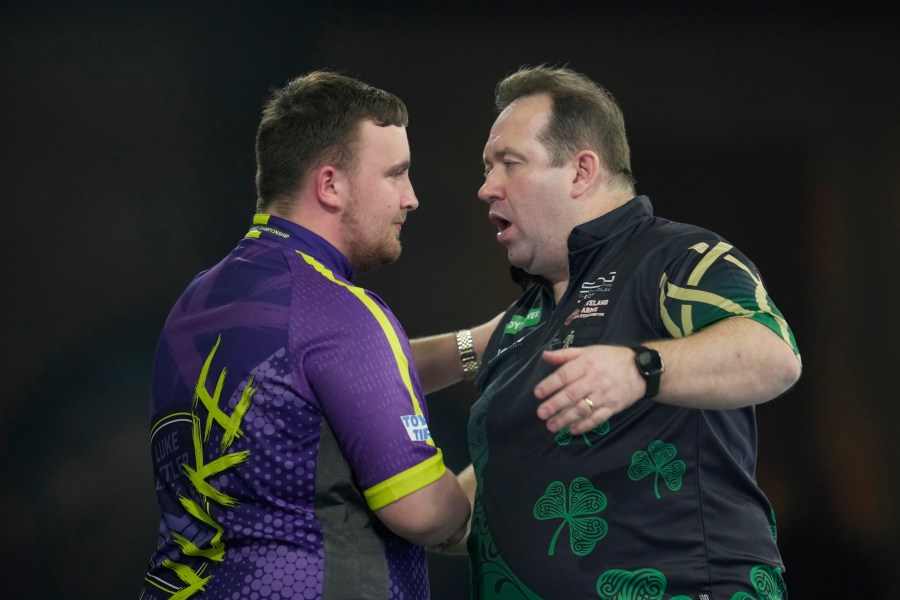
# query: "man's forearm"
437 361
437 357
432 515
737 362
734 363
466 479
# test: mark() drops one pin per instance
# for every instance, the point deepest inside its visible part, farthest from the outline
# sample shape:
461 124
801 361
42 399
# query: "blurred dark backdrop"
127 166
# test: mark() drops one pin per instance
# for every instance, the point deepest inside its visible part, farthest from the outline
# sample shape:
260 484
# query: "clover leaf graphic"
564 438
642 584
584 500
767 582
659 459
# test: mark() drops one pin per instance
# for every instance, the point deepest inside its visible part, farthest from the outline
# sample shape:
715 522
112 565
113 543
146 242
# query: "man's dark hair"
312 121
585 116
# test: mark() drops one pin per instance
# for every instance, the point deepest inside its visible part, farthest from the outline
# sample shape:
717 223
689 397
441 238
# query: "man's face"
526 194
381 195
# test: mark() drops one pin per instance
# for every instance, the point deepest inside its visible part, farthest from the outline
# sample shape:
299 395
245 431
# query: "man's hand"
590 385
734 363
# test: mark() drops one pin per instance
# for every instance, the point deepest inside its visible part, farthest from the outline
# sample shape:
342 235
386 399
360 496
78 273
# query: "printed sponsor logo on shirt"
272 230
416 427
601 284
591 308
518 322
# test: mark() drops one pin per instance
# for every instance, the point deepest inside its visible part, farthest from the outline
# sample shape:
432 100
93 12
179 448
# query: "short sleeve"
711 281
361 371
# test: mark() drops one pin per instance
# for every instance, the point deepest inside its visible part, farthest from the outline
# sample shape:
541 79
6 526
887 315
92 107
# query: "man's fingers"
569 400
580 416
584 425
558 357
560 377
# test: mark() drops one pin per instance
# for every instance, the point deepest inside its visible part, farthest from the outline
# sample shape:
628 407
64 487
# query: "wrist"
459 537
650 367
466 348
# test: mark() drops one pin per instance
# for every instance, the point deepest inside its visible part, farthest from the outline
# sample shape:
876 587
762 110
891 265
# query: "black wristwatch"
650 366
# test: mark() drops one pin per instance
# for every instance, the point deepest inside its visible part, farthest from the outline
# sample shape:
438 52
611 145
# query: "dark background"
127 166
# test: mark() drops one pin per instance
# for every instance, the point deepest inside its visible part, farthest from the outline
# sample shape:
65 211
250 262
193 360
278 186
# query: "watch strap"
466 347
644 358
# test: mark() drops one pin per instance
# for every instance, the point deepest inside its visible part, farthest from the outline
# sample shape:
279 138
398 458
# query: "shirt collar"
601 229
595 233
272 228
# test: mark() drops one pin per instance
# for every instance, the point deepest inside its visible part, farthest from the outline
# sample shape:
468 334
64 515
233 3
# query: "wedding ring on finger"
590 403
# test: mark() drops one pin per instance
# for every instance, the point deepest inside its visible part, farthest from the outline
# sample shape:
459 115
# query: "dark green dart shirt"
658 502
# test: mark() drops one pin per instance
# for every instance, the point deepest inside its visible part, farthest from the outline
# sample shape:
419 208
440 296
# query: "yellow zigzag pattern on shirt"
202 471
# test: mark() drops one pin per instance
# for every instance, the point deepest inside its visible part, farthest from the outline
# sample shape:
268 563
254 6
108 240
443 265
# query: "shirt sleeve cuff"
406 482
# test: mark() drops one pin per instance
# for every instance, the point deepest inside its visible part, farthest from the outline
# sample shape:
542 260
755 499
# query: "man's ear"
331 187
588 172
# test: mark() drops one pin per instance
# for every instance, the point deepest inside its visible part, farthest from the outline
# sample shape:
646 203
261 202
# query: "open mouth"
500 223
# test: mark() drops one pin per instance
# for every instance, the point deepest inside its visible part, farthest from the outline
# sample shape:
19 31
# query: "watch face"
650 362
650 366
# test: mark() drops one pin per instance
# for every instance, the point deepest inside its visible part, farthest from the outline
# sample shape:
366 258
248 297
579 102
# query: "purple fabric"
313 353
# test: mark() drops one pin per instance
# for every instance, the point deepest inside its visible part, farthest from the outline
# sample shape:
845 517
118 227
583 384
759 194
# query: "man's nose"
409 200
490 191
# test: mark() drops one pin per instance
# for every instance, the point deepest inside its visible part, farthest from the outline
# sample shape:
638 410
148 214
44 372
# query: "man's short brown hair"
312 121
585 116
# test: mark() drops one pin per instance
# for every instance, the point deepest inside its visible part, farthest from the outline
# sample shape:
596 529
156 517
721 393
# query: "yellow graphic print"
202 471
694 299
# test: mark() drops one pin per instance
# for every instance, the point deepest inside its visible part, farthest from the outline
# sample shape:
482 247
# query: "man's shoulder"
667 229
664 238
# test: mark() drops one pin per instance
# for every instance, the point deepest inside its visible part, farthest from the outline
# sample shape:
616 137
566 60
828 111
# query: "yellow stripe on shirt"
406 482
386 327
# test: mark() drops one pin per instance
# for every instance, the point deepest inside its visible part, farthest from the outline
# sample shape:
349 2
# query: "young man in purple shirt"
289 430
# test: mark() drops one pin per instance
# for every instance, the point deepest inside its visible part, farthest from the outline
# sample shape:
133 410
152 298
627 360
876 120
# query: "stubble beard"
368 255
